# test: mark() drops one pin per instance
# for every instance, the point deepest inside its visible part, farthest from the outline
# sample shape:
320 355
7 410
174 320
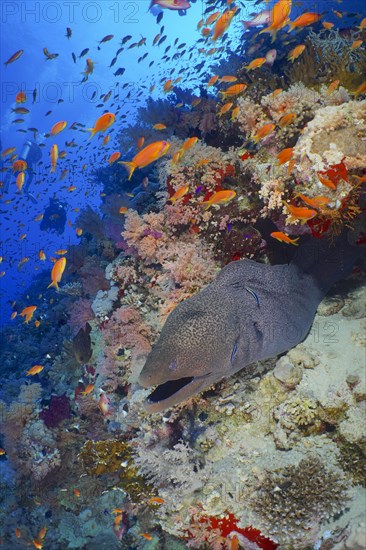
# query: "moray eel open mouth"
166 390
174 391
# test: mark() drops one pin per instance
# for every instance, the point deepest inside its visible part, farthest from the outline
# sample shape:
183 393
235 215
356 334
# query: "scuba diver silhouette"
31 154
54 217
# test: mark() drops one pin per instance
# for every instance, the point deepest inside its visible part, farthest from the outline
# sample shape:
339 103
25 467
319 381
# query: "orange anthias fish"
228 79
159 126
326 181
234 113
58 127
89 388
168 86
19 166
146 536
146 156
287 119
263 132
20 97
362 25
360 90
35 370
333 86
211 82
220 197
314 202
282 237
304 20
285 155
114 157
8 151
301 213
28 313
156 500
356 44
256 63
20 181
54 157
177 156
279 17
179 194
223 23
57 272
189 143
234 90
225 108
296 52
89 68
140 142
333 175
42 533
212 18
102 124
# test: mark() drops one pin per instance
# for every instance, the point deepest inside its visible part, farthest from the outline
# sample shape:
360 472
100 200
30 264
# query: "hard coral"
291 503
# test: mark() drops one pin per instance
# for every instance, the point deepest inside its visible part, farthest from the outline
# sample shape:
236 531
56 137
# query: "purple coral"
80 313
58 410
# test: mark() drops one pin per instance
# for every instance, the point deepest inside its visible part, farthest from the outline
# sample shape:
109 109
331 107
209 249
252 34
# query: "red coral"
229 523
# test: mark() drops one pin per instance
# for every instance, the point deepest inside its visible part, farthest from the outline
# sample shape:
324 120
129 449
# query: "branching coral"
177 467
290 503
328 56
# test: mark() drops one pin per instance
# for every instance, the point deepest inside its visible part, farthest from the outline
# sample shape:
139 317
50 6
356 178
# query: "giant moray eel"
251 311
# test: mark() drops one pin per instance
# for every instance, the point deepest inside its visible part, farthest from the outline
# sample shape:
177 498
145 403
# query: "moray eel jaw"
192 352
175 391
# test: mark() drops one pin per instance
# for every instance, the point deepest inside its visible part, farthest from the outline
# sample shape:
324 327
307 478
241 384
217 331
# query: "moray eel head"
192 352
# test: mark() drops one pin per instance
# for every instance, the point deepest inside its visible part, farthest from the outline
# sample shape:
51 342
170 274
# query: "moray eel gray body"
251 311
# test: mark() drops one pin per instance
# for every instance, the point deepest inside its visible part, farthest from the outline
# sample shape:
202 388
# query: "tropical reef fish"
304 20
223 23
102 124
14 57
54 157
80 348
148 154
250 312
57 272
179 194
35 370
171 4
28 313
283 238
262 18
279 17
58 127
220 197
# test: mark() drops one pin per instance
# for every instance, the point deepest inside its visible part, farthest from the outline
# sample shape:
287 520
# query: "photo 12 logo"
71 12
